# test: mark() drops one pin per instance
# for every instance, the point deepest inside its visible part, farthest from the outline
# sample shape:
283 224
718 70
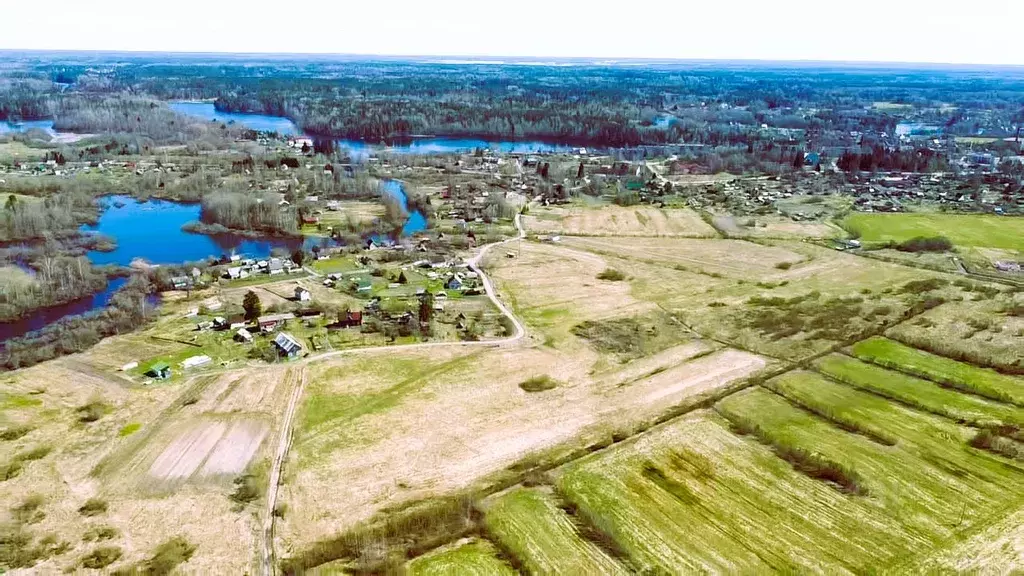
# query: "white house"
302 295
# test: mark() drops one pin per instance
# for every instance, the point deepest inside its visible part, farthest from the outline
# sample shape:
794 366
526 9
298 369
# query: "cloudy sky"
980 31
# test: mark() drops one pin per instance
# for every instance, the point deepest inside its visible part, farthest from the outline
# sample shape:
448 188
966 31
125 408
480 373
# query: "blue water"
262 122
152 231
417 222
44 125
360 148
42 318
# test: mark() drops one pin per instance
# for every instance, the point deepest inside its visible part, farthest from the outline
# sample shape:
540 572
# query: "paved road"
285 441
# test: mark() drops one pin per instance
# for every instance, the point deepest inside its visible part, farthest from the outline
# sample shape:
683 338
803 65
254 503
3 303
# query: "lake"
430 145
152 231
262 122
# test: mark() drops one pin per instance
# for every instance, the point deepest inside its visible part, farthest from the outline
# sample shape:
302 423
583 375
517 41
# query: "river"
426 145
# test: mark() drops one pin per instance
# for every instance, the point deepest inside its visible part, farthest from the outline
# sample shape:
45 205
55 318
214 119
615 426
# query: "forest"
579 103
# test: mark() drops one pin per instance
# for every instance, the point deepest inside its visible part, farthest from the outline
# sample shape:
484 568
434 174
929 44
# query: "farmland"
962 230
980 381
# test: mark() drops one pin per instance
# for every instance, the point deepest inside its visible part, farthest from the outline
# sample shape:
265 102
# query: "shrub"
10 470
281 509
538 384
37 453
93 507
924 244
611 274
986 439
101 557
92 411
921 286
247 489
169 555
99 533
784 265
28 512
14 433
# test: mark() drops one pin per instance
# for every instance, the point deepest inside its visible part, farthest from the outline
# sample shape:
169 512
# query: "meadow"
961 229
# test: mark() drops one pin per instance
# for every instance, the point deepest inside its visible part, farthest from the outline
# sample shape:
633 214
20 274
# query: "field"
980 381
962 230
618 221
677 405
529 523
773 226
156 463
472 558
977 331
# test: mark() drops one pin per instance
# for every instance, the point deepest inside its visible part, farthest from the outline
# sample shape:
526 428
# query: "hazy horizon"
877 31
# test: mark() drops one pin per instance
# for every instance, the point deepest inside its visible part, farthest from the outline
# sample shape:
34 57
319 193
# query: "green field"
918 393
528 523
943 371
962 229
472 558
744 493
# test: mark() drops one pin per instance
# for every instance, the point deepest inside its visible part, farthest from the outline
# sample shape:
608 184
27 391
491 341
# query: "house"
350 319
196 273
276 266
194 361
243 336
453 283
161 370
181 282
272 322
129 366
310 219
287 345
363 285
302 295
235 272
233 322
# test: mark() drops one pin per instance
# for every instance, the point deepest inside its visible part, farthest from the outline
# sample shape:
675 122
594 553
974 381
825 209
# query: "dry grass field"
162 459
571 442
773 226
618 221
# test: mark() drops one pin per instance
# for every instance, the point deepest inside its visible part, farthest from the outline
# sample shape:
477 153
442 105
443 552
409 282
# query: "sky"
938 31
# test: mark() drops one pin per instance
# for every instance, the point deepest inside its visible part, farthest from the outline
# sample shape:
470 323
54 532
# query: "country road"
285 441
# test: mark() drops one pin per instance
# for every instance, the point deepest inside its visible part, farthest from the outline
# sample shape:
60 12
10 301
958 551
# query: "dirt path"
299 383
275 470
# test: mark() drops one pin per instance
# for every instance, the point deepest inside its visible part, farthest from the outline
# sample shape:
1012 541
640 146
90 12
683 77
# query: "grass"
539 384
942 371
806 390
917 393
634 337
383 545
961 229
542 537
694 497
471 558
129 429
